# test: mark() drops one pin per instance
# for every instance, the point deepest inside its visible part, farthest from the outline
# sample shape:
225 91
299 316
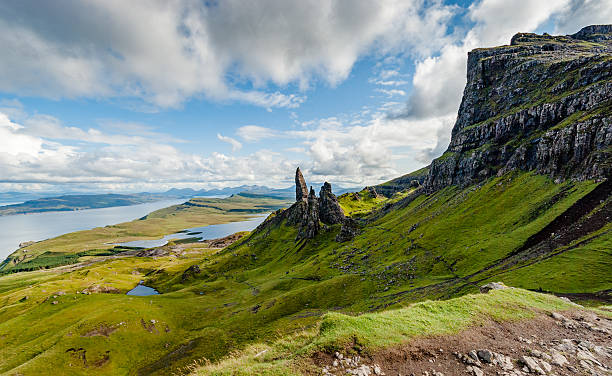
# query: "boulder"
492 286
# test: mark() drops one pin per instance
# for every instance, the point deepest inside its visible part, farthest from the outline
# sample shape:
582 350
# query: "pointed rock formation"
310 226
330 211
301 191
308 212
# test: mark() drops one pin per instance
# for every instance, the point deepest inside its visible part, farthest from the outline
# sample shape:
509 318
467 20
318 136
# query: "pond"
15 229
142 290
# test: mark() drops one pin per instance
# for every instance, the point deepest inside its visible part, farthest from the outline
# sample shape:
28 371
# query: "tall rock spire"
301 190
330 211
310 227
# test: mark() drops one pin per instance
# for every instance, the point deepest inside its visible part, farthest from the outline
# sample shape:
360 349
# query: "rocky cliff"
542 103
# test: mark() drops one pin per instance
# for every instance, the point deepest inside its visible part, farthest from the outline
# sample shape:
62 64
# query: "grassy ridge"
369 332
360 203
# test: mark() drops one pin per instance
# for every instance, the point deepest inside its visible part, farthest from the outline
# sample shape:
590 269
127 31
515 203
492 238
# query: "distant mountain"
258 189
70 202
12 197
77 202
288 192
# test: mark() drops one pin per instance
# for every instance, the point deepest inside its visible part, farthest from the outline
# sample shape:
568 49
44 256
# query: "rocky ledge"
543 103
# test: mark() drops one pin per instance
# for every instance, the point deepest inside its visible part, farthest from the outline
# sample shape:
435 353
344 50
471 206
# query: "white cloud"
103 161
236 145
391 92
167 51
253 133
364 153
580 13
13 143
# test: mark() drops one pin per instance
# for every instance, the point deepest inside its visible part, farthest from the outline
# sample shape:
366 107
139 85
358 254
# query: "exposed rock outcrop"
544 103
301 190
310 225
308 212
349 230
330 211
372 192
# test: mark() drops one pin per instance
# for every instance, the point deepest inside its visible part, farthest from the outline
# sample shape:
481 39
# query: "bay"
15 229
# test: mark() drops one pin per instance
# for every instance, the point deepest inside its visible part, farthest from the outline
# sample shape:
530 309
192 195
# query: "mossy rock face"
542 104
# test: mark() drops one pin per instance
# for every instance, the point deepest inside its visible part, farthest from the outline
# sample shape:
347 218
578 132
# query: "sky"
131 96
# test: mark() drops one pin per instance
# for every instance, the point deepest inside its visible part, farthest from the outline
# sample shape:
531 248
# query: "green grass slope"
422 247
369 332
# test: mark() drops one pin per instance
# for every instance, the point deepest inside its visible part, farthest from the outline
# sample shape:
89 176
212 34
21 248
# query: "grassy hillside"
420 247
357 204
373 331
69 248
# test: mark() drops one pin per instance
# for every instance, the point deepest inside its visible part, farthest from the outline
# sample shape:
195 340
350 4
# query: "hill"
521 196
76 202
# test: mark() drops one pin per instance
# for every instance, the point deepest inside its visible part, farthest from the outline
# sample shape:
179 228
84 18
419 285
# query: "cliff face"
543 103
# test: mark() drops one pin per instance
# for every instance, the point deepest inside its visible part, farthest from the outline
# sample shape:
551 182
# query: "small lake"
15 229
142 290
201 233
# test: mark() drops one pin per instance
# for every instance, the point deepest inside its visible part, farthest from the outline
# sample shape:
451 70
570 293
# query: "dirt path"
571 343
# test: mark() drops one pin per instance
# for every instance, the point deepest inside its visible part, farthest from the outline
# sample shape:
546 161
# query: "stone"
372 192
330 211
587 356
310 226
475 371
558 316
558 359
301 190
492 286
503 361
547 367
532 365
362 370
348 231
484 355
377 370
